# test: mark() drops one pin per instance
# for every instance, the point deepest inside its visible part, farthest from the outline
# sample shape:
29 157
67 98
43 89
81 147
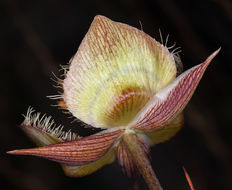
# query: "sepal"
77 152
170 101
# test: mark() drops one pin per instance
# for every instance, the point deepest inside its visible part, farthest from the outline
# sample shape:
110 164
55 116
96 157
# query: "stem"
130 139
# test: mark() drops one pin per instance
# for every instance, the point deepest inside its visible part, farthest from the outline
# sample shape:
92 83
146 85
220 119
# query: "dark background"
37 36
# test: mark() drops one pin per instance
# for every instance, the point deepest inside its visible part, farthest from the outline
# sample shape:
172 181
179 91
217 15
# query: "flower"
127 83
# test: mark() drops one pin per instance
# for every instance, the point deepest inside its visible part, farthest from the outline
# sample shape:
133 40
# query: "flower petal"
170 101
77 152
166 132
114 73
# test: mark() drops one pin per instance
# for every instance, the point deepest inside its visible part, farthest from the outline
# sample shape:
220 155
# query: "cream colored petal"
167 132
115 71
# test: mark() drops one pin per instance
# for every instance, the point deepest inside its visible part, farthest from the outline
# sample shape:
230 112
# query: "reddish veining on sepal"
170 101
126 161
133 144
144 146
77 152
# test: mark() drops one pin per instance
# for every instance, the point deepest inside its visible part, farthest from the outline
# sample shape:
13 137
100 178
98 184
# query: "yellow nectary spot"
124 106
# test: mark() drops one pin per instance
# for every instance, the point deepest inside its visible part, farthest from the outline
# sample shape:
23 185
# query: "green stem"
130 138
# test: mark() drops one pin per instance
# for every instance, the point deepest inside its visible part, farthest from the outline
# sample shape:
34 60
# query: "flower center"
124 106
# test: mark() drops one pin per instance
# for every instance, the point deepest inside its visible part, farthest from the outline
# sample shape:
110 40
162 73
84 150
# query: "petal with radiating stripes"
114 73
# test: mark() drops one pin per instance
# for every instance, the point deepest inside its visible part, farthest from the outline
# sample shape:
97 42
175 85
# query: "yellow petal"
114 73
167 132
80 171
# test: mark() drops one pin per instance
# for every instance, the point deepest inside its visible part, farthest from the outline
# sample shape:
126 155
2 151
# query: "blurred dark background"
37 36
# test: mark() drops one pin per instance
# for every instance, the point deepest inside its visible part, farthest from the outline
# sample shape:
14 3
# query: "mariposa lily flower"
127 83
